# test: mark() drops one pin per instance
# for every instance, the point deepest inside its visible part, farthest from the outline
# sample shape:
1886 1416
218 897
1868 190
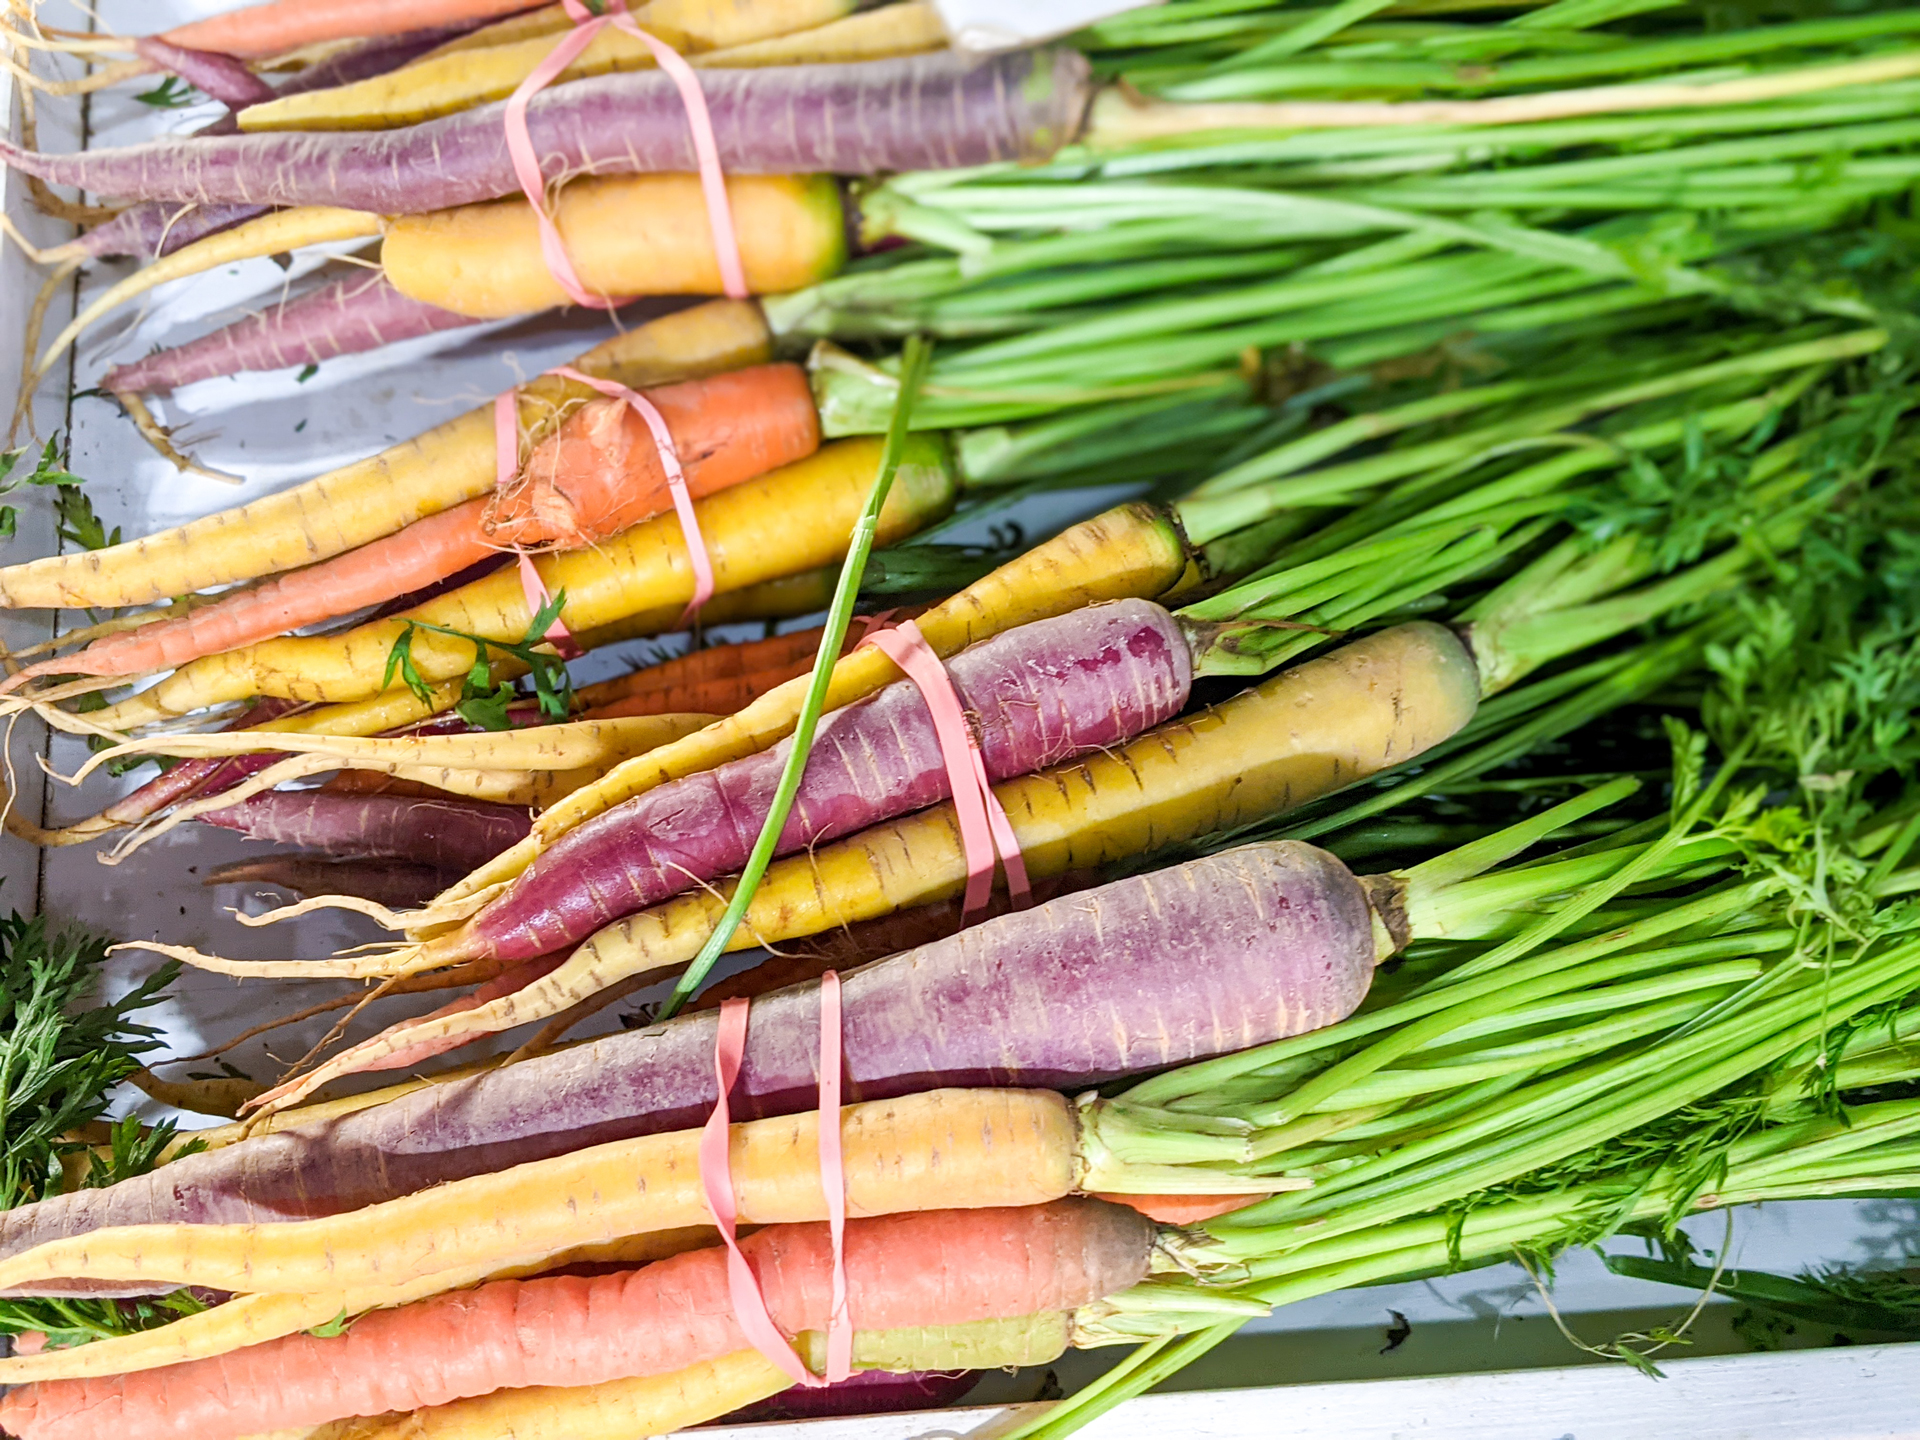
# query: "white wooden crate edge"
1869 1392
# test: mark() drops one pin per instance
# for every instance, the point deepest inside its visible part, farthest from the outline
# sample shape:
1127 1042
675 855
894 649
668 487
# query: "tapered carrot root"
442 833
940 1268
271 234
793 520
257 32
1132 551
597 474
658 1405
473 73
483 767
1036 695
349 507
966 1149
354 313
247 1320
626 235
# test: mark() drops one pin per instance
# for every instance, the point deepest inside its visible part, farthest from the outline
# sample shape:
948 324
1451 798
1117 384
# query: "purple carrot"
1201 959
220 76
1036 695
197 777
155 228
869 1392
865 941
354 313
922 112
447 834
395 884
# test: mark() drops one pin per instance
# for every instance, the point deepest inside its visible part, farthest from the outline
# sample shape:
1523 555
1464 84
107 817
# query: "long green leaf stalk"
1715 1027
832 637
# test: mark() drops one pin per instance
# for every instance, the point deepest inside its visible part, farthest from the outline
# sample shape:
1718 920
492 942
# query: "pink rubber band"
506 463
697 556
984 827
706 150
716 1177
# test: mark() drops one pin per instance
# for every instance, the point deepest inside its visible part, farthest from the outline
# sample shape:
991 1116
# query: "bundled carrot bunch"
1424 488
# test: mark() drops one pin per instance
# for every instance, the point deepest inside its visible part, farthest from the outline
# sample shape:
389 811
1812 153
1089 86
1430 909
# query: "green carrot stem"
839 615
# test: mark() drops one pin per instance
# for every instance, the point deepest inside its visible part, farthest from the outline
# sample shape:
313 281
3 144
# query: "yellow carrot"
458 79
370 498
655 1405
907 28
951 1149
786 522
781 599
626 235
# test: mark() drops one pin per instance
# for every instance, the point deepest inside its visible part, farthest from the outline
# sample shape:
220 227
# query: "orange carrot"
258 31
931 1268
725 678
378 782
1184 1209
793 652
598 474
716 697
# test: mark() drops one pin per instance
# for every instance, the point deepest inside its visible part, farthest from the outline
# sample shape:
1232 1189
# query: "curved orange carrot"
258 31
592 478
601 471
938 1267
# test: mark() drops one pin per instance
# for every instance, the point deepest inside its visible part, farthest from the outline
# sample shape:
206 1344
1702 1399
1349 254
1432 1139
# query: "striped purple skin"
220 76
1204 958
160 227
347 316
447 834
921 112
1036 695
153 228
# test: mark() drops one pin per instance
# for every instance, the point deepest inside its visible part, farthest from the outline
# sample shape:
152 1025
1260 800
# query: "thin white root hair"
161 439
444 915
153 828
36 324
387 919
367 968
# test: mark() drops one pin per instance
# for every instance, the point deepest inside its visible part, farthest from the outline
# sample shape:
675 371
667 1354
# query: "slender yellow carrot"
781 599
626 235
1134 550
348 507
947 1149
789 521
458 79
659 1404
907 28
